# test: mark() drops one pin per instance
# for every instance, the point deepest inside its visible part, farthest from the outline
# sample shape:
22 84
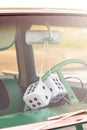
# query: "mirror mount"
50 33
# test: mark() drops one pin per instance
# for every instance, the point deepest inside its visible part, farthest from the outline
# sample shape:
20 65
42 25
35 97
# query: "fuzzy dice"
56 87
37 95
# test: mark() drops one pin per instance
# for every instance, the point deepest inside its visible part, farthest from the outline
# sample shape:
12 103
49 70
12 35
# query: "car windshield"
73 43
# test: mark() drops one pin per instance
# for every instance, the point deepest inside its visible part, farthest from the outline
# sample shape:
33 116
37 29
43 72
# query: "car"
42 88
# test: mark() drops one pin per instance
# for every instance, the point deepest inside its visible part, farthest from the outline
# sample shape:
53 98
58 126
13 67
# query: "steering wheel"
57 68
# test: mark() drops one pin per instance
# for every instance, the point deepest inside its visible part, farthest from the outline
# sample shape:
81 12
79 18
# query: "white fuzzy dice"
56 87
37 95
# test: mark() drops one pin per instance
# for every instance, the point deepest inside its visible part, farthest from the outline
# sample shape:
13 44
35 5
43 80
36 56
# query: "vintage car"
39 86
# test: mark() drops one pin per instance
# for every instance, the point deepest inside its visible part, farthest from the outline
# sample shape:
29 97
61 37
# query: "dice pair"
41 94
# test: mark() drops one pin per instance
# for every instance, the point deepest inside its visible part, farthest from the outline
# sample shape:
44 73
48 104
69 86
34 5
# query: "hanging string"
48 54
45 49
42 63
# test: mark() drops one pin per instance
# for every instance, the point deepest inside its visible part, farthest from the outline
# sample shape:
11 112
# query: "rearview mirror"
39 37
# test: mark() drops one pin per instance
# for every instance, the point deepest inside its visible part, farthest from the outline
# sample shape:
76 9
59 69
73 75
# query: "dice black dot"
57 80
46 97
51 89
38 103
59 83
59 87
29 91
53 79
32 90
30 101
31 86
43 87
35 85
35 99
56 83
33 105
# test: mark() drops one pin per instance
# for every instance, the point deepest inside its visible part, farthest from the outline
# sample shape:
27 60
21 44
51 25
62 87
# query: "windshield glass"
73 43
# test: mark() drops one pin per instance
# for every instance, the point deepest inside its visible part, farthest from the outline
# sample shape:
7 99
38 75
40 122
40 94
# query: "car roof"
43 11
66 17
